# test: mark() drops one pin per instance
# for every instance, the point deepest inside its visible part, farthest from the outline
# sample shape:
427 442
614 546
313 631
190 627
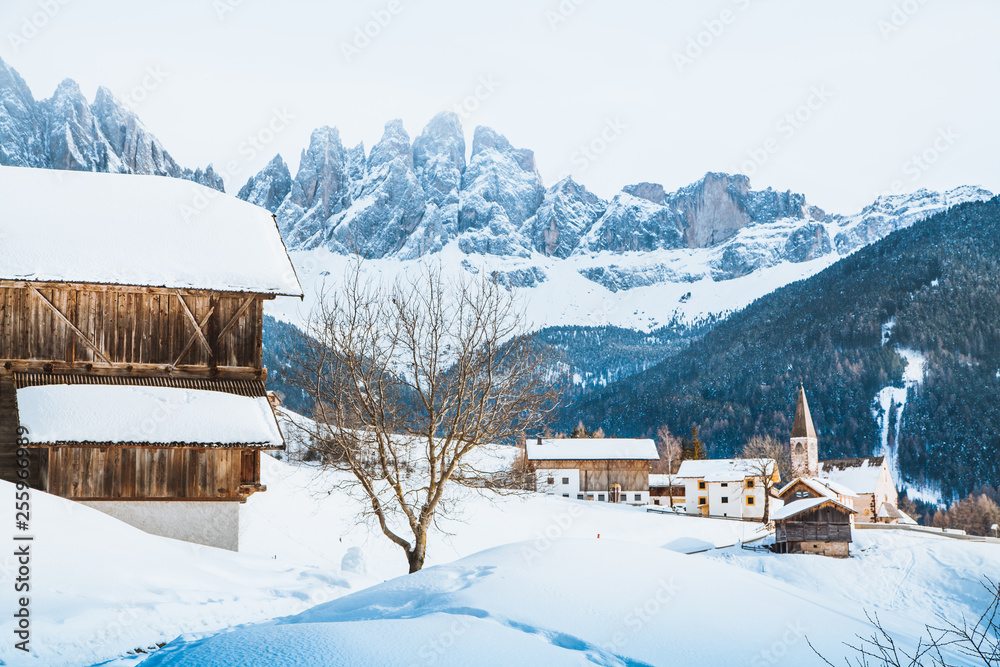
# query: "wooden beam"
198 326
58 367
239 313
103 287
73 328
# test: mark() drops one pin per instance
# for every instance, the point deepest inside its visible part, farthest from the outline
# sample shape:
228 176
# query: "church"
866 483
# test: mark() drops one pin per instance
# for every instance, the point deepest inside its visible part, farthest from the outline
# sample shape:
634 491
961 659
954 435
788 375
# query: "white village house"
727 487
600 469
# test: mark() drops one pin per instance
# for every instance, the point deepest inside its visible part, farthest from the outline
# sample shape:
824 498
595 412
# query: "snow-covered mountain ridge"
66 132
406 200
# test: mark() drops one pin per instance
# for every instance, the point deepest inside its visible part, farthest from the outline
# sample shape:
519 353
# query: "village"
133 397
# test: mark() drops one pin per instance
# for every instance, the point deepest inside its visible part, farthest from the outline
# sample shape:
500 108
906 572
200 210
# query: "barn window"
638 497
801 494
552 480
751 500
590 496
701 485
750 483
565 480
600 496
724 500
579 496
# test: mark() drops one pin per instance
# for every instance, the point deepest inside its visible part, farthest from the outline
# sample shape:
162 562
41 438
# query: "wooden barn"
614 470
820 525
130 345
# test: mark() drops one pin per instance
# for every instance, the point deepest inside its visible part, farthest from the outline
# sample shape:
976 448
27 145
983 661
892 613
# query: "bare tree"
668 446
408 380
977 641
767 459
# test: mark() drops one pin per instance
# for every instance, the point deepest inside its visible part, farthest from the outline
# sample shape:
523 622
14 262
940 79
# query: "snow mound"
581 601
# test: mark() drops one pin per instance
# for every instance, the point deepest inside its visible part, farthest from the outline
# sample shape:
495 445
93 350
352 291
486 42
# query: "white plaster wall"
557 487
214 524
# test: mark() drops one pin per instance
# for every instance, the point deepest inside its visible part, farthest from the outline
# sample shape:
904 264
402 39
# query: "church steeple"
803 427
804 444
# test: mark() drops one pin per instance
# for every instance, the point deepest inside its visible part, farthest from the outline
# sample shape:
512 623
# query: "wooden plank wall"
128 326
600 475
146 473
8 430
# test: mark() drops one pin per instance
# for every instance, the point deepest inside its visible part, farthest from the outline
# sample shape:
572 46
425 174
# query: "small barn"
814 526
614 470
131 312
811 487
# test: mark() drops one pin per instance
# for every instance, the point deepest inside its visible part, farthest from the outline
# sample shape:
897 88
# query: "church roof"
860 474
803 427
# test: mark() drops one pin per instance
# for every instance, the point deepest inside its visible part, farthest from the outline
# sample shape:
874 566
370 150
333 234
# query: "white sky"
602 66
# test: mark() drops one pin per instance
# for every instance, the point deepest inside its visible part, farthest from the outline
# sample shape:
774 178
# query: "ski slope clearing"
511 579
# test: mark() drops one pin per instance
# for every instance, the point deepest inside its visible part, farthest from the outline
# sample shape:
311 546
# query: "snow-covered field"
519 579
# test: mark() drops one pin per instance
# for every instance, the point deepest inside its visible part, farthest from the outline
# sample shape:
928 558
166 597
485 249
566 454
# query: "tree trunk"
415 556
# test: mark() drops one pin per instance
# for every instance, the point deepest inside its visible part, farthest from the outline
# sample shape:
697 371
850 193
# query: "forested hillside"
938 280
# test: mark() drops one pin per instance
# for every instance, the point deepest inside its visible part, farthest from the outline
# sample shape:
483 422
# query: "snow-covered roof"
588 449
145 415
861 475
663 480
804 505
150 231
724 470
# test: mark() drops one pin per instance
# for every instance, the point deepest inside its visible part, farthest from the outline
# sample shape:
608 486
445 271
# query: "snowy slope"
533 582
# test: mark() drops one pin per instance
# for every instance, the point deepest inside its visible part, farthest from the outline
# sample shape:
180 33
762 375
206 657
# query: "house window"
701 486
600 496
656 501
724 500
638 497
750 483
725 484
565 495
565 480
551 480
579 496
590 496
801 494
751 500
702 500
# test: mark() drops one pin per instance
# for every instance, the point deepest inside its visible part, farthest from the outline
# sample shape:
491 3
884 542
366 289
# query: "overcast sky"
832 99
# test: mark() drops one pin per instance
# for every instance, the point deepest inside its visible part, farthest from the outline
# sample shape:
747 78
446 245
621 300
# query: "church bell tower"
805 455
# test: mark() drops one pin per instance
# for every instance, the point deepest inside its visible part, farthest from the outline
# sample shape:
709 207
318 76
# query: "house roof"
803 427
147 231
127 415
588 449
860 474
824 487
723 470
663 480
806 504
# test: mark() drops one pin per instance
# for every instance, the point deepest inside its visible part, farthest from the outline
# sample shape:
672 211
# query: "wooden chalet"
815 525
130 344
612 470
